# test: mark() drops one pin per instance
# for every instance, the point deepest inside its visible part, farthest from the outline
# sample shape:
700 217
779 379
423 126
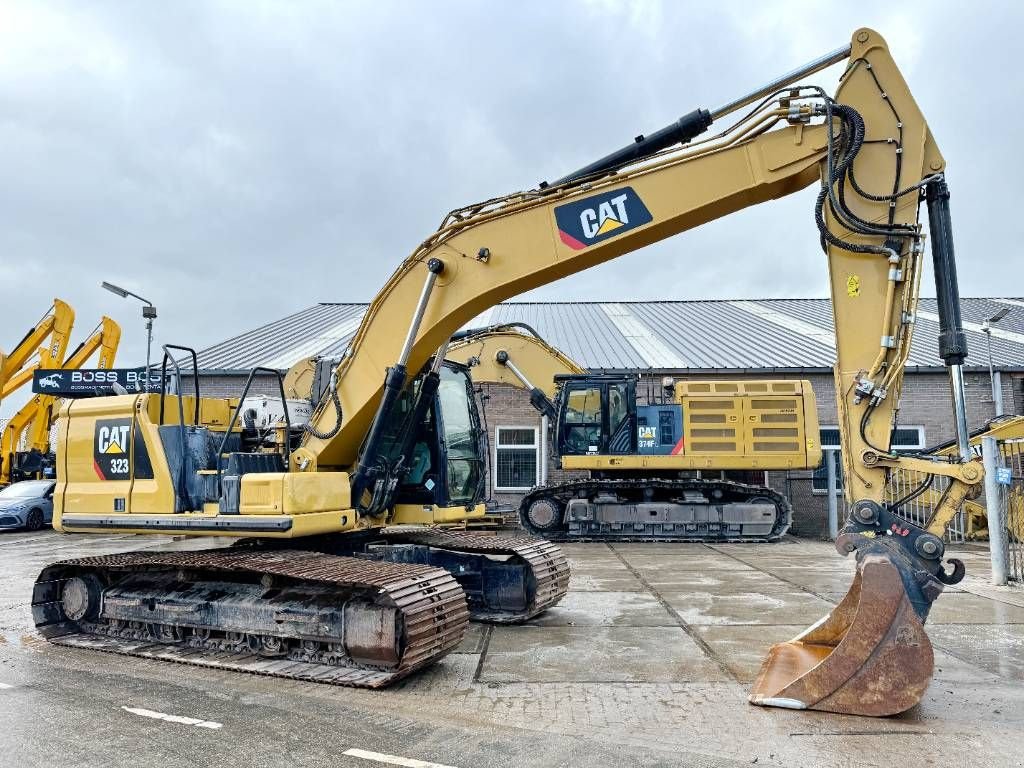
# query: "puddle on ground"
29 642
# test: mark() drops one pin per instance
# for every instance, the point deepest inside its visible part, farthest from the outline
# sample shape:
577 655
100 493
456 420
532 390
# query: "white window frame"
839 452
921 444
536 455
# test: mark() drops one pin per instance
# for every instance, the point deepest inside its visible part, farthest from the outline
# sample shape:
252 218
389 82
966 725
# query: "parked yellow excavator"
33 421
44 346
325 588
654 455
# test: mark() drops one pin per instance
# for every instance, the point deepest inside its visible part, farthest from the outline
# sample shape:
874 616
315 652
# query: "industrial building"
766 338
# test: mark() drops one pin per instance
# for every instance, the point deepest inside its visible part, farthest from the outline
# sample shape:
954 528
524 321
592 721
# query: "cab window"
583 420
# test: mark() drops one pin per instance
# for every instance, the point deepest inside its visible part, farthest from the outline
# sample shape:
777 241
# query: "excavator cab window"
582 419
460 441
443 465
597 416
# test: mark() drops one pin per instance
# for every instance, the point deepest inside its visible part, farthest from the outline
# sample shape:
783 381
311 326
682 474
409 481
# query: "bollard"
833 501
995 511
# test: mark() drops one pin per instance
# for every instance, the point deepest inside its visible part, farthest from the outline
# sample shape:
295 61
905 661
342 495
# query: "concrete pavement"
646 662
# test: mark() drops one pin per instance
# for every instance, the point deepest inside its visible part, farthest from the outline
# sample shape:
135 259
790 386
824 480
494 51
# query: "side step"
285 613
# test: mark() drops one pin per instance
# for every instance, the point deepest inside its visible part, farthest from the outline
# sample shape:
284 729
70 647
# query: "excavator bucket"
870 656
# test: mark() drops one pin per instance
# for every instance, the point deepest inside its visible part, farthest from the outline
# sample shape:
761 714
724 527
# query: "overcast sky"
237 161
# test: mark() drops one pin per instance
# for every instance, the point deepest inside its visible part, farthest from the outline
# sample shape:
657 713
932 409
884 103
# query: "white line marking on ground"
379 757
24 540
5 686
173 718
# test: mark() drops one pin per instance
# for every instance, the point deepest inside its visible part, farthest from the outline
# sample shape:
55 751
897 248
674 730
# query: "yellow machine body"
114 477
757 425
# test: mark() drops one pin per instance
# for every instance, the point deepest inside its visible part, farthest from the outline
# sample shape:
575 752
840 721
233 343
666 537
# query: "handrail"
234 416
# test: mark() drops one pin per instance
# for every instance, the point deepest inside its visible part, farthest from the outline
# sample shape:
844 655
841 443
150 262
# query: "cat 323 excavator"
328 585
644 458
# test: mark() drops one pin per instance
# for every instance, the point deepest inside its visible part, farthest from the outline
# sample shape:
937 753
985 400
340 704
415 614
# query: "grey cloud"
237 161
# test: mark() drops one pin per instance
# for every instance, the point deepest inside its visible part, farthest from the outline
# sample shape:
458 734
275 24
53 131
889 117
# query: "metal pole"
833 490
995 511
994 378
149 345
543 474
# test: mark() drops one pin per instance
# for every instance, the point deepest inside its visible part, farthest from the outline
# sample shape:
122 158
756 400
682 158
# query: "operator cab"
599 416
596 415
443 463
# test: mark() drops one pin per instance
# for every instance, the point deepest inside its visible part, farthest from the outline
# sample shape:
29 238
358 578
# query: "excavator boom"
55 330
35 418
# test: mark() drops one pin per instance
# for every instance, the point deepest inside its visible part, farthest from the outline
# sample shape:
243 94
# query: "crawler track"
403 617
663 489
548 578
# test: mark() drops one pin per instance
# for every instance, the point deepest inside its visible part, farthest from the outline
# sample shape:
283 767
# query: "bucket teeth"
869 656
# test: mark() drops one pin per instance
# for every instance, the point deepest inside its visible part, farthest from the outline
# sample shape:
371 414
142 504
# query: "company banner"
91 382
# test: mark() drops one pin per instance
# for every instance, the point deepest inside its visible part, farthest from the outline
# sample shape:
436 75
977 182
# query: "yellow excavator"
327 585
643 458
44 346
35 418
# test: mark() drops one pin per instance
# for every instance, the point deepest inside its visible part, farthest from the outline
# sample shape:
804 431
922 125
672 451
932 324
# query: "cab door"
620 417
597 417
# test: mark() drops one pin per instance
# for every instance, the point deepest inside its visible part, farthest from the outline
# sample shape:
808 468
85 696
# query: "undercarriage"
638 509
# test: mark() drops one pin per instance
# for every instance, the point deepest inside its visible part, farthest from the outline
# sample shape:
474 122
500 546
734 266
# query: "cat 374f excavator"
395 441
643 459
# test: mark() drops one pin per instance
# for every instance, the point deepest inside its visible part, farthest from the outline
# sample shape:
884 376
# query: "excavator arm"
37 414
873 154
54 329
513 354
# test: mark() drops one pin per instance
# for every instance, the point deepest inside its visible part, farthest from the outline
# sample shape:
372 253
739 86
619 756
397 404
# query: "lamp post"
986 328
148 313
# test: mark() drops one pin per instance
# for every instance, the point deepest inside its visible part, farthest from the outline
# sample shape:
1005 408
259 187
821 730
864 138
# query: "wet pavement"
647 661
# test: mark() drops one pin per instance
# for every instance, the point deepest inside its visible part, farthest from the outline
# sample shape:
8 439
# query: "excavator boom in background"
325 588
656 456
34 419
47 342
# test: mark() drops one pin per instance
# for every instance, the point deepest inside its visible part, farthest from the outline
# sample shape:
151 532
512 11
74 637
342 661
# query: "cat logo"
600 217
110 449
112 440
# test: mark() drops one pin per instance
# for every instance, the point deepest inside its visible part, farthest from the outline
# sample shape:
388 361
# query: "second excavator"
324 588
654 459
33 421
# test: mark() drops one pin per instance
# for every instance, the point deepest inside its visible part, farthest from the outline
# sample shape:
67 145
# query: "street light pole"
986 328
148 313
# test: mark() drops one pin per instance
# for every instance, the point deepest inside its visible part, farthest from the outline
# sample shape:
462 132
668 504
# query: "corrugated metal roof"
662 335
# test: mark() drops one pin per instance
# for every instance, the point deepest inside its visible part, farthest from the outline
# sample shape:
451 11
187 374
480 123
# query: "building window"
904 439
516 452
